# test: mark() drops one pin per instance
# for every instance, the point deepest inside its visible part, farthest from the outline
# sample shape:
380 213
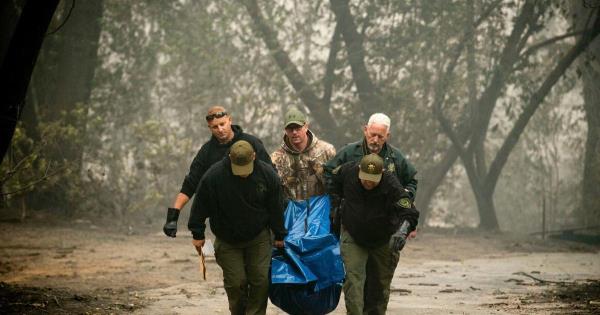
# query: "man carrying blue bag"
242 198
377 218
307 275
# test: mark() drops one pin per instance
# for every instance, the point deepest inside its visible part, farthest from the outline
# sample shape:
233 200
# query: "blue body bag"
307 275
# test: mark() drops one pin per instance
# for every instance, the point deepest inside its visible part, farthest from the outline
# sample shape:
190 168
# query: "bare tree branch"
535 102
283 61
547 42
486 13
367 93
329 76
14 170
441 89
487 101
481 112
437 174
35 182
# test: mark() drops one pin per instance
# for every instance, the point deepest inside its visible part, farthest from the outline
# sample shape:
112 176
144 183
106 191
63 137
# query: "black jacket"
371 216
393 159
212 152
238 208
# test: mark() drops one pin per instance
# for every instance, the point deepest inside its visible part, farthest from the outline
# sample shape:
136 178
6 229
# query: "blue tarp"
307 275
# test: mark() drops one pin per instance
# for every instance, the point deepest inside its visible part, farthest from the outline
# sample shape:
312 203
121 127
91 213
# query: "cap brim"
294 122
370 177
242 170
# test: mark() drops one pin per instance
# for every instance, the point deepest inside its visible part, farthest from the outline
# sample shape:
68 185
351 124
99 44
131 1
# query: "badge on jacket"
391 167
404 202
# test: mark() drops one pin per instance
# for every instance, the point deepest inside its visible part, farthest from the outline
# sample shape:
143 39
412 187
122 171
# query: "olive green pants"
246 273
369 273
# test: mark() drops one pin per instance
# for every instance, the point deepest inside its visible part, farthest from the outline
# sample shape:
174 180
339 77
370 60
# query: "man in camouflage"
300 159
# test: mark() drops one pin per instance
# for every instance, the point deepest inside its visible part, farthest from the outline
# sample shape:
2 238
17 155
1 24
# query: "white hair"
379 118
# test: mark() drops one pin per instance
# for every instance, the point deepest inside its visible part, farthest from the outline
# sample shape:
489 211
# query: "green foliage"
36 167
162 64
22 166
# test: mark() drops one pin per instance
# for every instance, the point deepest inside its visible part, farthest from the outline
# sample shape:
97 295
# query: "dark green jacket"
393 159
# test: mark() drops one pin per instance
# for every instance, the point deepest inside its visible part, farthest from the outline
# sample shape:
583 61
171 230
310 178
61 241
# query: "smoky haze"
492 101
495 102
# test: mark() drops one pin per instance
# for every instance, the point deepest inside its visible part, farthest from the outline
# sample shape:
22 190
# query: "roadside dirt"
79 267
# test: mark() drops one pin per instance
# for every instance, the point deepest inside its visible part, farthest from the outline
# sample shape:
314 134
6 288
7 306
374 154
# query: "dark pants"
371 266
246 273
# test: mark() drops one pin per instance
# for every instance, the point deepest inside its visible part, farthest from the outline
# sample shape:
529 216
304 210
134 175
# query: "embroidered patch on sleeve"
404 203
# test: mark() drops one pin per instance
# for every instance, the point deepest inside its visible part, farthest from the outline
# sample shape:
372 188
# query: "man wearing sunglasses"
224 134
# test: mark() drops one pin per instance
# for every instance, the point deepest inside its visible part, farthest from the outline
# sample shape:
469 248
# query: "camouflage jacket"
301 173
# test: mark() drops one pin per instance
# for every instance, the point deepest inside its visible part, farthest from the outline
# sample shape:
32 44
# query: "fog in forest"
115 109
496 103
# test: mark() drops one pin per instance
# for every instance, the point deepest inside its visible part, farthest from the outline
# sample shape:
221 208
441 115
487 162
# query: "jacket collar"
237 131
287 146
385 151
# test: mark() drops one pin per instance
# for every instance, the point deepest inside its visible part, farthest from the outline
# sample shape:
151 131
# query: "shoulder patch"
404 202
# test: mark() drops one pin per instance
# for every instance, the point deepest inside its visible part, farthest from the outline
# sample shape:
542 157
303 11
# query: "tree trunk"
486 104
77 55
588 212
436 174
433 178
61 83
486 209
502 70
9 16
367 92
590 207
18 63
536 101
67 74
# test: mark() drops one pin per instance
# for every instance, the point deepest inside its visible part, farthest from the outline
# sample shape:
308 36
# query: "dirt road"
83 268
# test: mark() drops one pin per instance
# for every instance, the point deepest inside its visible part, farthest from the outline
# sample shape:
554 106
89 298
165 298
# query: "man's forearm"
181 200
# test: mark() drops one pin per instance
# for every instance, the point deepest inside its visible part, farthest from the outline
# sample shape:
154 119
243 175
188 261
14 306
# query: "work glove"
335 215
398 239
170 227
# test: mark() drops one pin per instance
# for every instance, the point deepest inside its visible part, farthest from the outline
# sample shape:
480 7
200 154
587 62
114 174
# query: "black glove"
335 215
398 239
170 227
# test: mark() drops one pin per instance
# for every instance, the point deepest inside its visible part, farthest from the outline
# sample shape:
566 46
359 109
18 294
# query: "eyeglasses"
215 115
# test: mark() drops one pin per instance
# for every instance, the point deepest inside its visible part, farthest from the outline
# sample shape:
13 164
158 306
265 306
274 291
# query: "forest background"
497 103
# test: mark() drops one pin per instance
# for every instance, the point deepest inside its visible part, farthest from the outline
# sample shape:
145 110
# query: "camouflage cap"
294 116
242 158
371 168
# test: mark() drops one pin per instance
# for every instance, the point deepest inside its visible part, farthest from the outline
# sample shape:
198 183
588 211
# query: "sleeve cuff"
411 193
280 236
186 191
198 236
